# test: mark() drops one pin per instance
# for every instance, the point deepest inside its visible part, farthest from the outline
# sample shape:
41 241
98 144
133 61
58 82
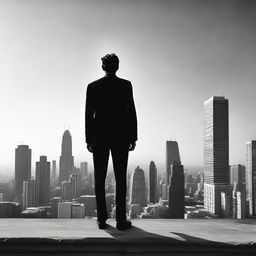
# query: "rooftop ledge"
147 236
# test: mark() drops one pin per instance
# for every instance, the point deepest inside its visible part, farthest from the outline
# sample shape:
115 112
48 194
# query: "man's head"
110 63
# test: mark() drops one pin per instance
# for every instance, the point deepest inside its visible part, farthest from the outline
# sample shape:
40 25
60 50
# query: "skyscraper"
152 183
66 190
73 180
66 159
172 155
138 193
53 173
216 152
176 191
84 169
22 168
29 193
237 176
43 181
251 176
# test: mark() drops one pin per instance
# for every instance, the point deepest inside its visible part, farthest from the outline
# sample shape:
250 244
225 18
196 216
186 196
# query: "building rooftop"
147 236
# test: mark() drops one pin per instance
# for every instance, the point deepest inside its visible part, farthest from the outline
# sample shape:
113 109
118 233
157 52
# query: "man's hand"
132 146
89 147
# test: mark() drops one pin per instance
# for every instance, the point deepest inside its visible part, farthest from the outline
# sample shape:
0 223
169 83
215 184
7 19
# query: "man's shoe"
123 225
102 224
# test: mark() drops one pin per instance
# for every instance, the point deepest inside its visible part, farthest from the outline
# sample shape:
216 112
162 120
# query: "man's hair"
110 62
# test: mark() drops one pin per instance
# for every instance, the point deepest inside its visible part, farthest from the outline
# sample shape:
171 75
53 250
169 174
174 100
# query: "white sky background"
176 53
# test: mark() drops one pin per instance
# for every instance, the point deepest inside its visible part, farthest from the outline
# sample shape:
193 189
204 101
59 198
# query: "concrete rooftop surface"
147 236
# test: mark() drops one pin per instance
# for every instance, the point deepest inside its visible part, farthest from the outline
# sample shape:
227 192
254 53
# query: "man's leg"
100 159
120 159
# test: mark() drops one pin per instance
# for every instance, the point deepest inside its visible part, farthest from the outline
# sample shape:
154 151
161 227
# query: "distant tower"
54 169
172 155
251 176
73 180
66 191
66 159
43 181
84 169
216 153
22 168
152 183
237 176
176 191
29 193
138 194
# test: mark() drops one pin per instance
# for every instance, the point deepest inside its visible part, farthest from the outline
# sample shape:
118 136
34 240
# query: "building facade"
43 181
138 193
172 155
176 192
153 197
66 159
237 176
29 194
216 152
22 169
251 176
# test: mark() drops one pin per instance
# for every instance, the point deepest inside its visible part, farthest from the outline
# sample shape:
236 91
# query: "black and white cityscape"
60 189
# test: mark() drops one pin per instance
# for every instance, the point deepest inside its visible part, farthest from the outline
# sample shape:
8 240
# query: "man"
110 126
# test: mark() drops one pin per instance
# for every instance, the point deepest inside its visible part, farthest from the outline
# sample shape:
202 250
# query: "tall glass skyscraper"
54 171
66 159
172 156
152 183
176 192
29 194
237 177
216 152
251 176
43 181
22 169
138 193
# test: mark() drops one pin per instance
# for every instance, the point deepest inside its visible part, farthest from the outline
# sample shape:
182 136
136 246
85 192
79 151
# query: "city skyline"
52 51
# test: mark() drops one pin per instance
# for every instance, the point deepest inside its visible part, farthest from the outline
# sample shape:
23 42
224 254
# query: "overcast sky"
176 53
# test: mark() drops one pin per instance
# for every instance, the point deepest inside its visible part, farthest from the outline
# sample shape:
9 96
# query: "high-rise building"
237 176
241 204
138 193
29 194
226 203
176 191
54 171
22 169
152 183
251 176
66 159
73 180
216 152
66 190
43 181
84 169
172 155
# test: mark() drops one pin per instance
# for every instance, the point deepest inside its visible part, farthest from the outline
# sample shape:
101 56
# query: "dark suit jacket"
110 115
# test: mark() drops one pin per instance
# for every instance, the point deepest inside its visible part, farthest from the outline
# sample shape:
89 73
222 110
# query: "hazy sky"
176 53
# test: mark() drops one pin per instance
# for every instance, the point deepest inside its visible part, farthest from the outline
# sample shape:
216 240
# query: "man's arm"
89 116
132 119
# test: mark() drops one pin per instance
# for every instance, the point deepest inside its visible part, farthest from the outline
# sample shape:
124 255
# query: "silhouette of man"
110 126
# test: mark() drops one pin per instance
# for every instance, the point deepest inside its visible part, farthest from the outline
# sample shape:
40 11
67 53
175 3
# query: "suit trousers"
120 158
